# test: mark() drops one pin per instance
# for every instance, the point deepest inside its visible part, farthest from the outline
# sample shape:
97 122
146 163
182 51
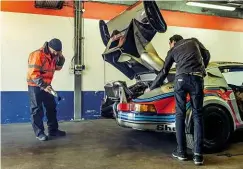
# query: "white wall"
1 49
223 45
23 33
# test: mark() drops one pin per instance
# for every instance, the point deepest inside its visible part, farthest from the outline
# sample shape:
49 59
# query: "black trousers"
192 85
38 99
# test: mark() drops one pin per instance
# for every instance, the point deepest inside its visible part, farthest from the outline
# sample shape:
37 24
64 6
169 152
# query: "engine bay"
131 92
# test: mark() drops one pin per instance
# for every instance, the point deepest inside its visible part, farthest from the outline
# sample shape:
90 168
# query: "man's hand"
147 90
48 89
59 54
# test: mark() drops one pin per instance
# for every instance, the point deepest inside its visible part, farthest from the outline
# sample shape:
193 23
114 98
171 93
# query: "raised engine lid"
128 36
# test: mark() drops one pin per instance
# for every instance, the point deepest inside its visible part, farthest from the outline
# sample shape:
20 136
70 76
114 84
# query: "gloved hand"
147 90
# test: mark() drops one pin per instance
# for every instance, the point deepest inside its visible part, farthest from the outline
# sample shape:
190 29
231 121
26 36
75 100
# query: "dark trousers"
192 85
38 98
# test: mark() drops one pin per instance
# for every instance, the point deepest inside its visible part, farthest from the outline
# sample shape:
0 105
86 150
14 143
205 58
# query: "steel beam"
78 25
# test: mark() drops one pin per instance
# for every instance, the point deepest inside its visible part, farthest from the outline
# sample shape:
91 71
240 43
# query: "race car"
133 54
222 108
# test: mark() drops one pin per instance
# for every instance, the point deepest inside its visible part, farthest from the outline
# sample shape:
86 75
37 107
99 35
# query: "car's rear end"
144 117
152 111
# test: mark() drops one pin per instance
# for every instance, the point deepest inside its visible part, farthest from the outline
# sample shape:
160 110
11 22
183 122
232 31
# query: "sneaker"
198 159
180 155
42 137
57 133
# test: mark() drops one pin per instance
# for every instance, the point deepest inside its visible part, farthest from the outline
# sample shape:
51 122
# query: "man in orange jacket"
42 65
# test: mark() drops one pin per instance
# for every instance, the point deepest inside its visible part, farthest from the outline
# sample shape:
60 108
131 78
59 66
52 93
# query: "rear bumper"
156 123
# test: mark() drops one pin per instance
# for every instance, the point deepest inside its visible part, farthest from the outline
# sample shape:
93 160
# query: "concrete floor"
101 144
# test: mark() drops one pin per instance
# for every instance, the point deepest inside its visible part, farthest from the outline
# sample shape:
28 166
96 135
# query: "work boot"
180 155
198 159
57 133
42 137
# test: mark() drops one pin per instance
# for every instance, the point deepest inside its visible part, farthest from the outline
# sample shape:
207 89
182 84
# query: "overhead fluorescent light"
198 4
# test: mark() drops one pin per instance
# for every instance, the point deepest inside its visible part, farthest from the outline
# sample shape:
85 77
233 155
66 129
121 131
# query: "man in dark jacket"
191 59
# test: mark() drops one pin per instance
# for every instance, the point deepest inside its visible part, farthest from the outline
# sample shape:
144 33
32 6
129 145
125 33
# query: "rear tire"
217 129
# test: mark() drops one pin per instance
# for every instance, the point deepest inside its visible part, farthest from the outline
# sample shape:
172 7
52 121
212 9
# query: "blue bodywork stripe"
150 117
150 120
158 97
167 95
188 105
137 117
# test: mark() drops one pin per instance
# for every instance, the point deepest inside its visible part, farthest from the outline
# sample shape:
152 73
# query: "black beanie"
55 44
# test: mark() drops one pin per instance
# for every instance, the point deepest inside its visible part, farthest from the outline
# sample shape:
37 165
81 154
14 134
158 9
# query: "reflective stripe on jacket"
41 67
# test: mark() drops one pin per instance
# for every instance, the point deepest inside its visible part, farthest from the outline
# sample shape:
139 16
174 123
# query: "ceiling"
183 7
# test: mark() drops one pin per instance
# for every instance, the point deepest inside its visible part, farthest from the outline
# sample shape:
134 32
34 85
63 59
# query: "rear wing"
142 11
127 38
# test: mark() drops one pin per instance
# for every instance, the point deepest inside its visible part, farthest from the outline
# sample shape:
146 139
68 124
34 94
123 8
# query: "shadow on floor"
237 137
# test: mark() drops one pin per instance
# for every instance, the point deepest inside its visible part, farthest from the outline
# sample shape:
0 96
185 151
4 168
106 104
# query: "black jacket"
189 55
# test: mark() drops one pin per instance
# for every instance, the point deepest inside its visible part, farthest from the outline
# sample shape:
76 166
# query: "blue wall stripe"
91 102
15 106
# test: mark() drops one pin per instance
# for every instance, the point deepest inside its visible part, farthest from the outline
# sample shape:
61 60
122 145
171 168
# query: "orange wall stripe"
96 10
202 21
93 10
102 11
28 7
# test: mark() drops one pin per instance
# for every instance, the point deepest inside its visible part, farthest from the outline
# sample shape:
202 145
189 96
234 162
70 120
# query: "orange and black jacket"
42 66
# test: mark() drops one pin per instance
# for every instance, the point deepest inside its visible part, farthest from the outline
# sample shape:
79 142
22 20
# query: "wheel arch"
232 124
210 148
217 103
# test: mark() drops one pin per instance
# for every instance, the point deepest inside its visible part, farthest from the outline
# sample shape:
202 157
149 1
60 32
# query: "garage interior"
93 141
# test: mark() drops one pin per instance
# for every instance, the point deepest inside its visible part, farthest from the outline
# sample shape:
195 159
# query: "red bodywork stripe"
167 105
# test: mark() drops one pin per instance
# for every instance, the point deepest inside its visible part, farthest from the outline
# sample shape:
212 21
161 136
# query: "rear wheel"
217 129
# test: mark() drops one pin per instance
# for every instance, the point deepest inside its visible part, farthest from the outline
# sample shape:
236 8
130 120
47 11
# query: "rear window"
233 76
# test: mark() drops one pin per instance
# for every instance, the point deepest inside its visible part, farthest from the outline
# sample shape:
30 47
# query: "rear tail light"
123 107
127 107
143 108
